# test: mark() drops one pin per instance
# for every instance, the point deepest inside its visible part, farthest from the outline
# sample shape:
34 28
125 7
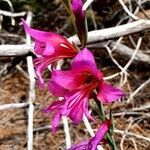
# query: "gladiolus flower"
49 47
55 107
77 85
80 21
95 141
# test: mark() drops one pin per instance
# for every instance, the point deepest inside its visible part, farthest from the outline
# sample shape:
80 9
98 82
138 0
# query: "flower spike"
79 20
78 84
49 48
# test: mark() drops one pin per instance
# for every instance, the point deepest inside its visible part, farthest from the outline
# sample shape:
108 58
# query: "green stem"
109 136
111 131
111 141
101 110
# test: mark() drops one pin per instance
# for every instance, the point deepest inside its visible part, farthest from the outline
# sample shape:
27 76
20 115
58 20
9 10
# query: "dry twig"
132 134
31 89
87 4
124 135
114 32
10 14
138 89
127 10
13 106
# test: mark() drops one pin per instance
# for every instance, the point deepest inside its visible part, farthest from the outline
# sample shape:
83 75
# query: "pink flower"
95 141
49 47
77 86
80 21
55 107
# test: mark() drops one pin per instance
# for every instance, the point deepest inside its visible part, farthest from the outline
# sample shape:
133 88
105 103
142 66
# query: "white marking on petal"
63 45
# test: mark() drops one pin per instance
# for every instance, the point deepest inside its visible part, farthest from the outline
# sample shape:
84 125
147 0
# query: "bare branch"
10 14
143 107
88 126
114 32
138 89
127 10
132 113
15 50
11 9
31 89
133 56
124 135
132 134
93 37
67 132
13 106
87 4
125 50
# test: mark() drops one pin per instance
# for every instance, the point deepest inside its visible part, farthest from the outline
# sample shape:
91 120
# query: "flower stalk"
109 134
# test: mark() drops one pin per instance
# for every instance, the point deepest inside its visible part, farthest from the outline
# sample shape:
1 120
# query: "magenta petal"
85 61
76 105
56 121
72 99
63 78
48 43
86 111
54 106
96 140
76 114
39 69
103 129
66 79
56 89
81 146
108 94
37 34
41 36
39 47
80 21
84 56
49 50
77 6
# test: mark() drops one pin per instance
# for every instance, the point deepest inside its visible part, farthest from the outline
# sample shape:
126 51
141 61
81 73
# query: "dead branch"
127 10
125 50
23 49
93 37
132 134
114 32
124 135
31 89
87 4
13 106
10 14
15 50
138 89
